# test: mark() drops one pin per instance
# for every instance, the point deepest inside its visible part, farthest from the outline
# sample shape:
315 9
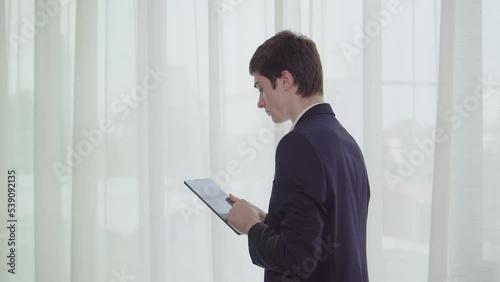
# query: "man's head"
286 68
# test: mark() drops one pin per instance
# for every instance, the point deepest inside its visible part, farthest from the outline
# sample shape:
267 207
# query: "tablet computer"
213 196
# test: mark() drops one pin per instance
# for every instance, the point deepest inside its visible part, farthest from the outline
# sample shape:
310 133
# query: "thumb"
233 198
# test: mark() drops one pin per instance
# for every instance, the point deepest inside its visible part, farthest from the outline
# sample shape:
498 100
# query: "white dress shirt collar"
302 113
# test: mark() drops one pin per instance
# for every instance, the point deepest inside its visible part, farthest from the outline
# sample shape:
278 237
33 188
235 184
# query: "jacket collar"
323 108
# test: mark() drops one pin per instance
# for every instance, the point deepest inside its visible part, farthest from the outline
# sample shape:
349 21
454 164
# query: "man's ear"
287 80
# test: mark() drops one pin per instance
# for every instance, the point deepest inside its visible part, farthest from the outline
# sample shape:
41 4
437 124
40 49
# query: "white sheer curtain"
465 229
107 106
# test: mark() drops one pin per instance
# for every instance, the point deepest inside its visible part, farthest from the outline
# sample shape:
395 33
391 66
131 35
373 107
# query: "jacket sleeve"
297 198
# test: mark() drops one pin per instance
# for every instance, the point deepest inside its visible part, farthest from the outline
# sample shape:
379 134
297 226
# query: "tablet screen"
213 196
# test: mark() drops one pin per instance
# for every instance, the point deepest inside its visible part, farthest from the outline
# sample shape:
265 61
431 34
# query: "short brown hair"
293 52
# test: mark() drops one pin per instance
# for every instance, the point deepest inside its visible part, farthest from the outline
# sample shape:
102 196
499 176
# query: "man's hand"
262 214
243 215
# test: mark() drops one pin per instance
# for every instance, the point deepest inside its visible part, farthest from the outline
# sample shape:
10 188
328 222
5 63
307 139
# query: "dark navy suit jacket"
315 228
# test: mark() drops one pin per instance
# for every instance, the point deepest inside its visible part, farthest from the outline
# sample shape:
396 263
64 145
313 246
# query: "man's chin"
277 120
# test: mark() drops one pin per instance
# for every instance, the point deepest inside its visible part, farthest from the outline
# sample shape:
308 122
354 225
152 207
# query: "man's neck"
303 103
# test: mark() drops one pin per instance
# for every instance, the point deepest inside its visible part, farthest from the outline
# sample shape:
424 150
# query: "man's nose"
261 103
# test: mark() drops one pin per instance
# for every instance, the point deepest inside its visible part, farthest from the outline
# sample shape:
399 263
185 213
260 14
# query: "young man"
315 228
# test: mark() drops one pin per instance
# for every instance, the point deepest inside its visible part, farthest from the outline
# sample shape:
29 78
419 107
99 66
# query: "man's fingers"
233 198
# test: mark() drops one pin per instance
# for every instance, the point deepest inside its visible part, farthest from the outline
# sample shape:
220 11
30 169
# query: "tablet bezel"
191 182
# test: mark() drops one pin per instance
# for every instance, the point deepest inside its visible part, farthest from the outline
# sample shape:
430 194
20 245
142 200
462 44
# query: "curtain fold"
372 142
438 248
153 130
158 130
457 237
466 204
217 130
85 180
48 141
147 262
